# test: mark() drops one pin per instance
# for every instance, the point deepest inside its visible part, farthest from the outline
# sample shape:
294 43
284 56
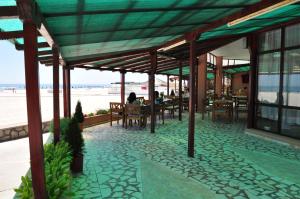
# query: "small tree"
74 138
78 113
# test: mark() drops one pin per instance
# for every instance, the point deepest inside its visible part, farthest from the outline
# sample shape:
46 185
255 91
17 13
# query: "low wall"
16 132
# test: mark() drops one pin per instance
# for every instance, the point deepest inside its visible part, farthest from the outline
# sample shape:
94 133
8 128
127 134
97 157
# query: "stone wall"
17 132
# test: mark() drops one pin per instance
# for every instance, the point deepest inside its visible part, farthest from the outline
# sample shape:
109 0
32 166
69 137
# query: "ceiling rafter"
11 35
107 56
8 12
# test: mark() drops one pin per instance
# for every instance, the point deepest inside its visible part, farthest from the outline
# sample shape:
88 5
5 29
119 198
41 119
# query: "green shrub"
78 115
57 160
101 111
91 114
74 137
64 124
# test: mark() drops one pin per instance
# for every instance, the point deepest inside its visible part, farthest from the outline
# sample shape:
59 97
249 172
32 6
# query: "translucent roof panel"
93 28
277 16
7 3
89 50
11 25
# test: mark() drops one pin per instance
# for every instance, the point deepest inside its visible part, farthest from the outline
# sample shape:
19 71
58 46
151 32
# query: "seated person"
158 100
132 99
186 93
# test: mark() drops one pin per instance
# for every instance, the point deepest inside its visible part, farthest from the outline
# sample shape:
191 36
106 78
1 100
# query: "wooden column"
252 40
149 86
196 85
66 92
153 56
202 75
123 87
219 75
192 100
33 110
56 111
168 85
180 91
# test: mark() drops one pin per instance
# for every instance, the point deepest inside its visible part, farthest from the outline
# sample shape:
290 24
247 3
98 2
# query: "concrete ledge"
274 137
17 132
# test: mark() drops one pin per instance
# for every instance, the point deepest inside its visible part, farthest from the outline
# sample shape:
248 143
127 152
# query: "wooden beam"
8 12
45 58
39 45
202 76
34 111
107 56
160 62
127 58
56 110
45 52
11 35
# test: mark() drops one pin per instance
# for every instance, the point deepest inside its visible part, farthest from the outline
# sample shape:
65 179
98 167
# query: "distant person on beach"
132 99
172 94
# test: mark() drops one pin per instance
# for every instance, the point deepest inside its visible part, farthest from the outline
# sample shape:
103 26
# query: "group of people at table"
137 109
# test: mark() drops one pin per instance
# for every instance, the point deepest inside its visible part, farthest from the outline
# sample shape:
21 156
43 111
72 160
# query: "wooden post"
56 111
202 75
218 76
123 87
196 85
168 85
149 86
153 56
192 98
180 91
252 40
65 92
33 110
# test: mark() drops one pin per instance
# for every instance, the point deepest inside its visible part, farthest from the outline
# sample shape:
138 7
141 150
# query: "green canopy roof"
86 29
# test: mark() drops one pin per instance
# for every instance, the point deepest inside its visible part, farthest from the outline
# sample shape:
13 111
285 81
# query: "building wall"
17 132
237 82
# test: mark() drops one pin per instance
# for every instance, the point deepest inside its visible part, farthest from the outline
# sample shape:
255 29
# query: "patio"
132 163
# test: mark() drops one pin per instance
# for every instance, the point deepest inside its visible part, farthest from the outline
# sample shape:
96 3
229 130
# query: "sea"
14 109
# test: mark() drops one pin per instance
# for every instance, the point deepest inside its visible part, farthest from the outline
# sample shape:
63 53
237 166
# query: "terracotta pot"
77 163
81 126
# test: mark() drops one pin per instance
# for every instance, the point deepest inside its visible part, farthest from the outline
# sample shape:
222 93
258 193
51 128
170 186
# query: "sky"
12 71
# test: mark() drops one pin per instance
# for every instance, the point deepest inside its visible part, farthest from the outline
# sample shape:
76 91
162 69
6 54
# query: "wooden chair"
172 106
133 112
222 108
160 111
207 106
185 103
116 111
147 102
241 105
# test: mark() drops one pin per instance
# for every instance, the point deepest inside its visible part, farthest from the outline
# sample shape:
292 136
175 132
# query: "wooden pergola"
127 37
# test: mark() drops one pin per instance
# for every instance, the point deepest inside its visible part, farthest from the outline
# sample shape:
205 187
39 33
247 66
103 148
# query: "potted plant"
73 136
78 115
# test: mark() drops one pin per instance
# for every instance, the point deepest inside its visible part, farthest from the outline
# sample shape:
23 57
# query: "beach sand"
14 109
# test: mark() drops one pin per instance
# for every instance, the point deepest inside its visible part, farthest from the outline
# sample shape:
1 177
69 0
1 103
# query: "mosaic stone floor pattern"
135 164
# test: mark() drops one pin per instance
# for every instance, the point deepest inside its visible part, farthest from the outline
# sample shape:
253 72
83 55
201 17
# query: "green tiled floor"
133 163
